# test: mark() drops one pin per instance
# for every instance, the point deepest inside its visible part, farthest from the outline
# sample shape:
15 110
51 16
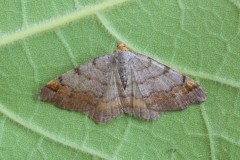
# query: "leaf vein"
57 22
188 71
208 128
42 132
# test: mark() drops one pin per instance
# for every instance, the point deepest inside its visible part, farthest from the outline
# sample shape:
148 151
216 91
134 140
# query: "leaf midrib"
57 22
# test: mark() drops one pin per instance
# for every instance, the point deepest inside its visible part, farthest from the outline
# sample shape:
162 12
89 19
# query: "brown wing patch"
53 85
176 99
65 96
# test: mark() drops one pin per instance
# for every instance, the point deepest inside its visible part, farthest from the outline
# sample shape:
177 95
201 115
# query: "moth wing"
137 106
90 88
161 88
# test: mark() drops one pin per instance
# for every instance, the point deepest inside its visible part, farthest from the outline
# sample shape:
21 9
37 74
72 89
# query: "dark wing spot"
166 70
94 61
77 71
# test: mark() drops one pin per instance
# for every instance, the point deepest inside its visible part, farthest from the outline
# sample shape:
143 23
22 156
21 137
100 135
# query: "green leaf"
40 40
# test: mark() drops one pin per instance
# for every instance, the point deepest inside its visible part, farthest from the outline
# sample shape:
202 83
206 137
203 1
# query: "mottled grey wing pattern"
137 105
161 88
91 88
122 82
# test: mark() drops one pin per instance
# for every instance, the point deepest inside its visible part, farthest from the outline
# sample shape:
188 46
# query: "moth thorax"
123 72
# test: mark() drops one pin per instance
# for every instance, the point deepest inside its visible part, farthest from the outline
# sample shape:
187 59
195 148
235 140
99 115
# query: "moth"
122 82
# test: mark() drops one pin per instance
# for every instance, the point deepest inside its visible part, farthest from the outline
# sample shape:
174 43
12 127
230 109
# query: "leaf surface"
40 40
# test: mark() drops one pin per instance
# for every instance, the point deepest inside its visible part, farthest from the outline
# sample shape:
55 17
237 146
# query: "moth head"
121 47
